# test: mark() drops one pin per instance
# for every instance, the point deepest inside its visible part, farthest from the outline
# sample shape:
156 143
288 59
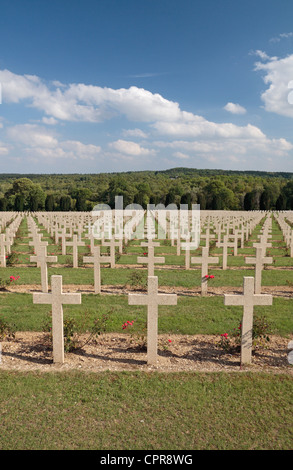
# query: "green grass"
191 315
167 277
138 410
145 411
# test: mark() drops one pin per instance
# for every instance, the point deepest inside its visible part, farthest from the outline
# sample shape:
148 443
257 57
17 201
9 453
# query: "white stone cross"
247 300
259 260
42 259
152 299
225 246
188 245
112 244
3 251
37 243
63 237
151 259
207 236
263 243
57 298
204 260
75 244
97 260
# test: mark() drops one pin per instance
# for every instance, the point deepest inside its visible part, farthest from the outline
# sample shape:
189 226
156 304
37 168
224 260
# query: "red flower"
206 276
170 341
125 325
212 276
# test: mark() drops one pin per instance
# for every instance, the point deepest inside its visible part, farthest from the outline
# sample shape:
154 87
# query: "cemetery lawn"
191 315
145 411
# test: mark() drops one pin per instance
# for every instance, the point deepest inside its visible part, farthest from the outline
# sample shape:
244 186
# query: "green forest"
212 189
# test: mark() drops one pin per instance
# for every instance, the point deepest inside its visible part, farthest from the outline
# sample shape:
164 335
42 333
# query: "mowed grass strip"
145 411
191 315
166 277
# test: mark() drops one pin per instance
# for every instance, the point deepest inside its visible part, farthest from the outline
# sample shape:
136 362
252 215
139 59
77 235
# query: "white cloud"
88 103
135 133
200 127
130 148
281 36
50 121
278 74
3 149
38 142
231 148
181 155
32 135
234 108
185 133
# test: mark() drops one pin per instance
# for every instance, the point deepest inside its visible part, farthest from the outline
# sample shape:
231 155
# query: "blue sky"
118 85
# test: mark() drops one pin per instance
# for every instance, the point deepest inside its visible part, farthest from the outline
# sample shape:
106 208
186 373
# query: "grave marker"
247 300
57 298
75 244
152 300
151 259
97 260
259 260
42 259
204 260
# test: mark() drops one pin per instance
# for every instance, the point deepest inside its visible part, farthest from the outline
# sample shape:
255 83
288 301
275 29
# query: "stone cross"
57 298
225 246
7 243
235 237
152 299
204 260
75 244
263 243
188 245
247 300
207 236
3 251
97 260
37 243
63 237
151 259
42 259
112 244
259 260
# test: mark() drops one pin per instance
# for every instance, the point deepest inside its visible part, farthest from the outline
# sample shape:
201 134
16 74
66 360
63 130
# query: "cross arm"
156 259
262 299
88 259
138 299
196 259
68 298
42 298
250 260
233 299
169 299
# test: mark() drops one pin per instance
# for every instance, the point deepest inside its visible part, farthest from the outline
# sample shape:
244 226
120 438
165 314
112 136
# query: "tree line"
212 189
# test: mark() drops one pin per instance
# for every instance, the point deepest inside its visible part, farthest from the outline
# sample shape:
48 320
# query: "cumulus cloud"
130 148
39 141
234 108
32 135
184 132
200 127
135 133
277 75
